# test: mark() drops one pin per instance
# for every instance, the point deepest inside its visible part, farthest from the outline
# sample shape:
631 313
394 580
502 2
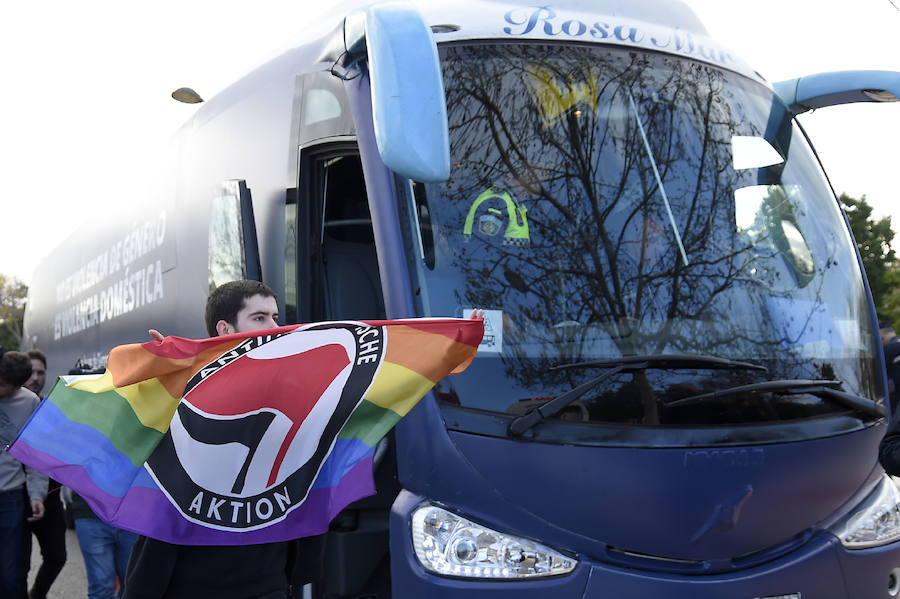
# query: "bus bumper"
822 568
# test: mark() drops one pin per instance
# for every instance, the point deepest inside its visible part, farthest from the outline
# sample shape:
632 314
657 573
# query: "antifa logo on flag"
256 425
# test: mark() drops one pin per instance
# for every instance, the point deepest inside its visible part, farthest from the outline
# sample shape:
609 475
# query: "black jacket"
889 449
892 364
157 569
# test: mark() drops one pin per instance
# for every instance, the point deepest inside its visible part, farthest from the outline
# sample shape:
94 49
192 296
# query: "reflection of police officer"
495 214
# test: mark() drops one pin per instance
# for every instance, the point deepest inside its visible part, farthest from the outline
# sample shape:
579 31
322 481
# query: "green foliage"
12 311
873 238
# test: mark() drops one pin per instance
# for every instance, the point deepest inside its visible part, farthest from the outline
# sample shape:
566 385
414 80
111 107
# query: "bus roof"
658 25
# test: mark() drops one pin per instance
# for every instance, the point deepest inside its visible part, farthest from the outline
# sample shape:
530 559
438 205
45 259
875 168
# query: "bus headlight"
875 521
450 545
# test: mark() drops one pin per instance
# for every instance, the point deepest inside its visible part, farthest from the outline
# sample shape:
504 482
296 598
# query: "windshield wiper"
659 182
518 426
667 361
827 389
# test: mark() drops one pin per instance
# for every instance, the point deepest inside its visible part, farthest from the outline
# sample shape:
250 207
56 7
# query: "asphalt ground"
72 581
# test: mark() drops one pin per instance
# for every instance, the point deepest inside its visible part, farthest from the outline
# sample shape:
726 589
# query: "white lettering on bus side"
136 289
141 240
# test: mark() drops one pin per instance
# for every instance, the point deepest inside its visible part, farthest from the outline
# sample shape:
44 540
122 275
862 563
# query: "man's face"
259 312
38 376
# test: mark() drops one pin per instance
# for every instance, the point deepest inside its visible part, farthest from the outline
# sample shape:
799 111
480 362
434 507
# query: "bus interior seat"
352 281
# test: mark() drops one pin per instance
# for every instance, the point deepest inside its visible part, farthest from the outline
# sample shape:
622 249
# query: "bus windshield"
607 203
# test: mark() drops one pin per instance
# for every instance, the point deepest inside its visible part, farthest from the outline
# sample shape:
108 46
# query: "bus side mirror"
409 109
840 87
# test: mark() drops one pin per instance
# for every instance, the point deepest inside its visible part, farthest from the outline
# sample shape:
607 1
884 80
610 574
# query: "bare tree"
633 241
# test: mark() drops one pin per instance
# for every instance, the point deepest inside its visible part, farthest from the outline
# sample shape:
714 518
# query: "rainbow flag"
242 439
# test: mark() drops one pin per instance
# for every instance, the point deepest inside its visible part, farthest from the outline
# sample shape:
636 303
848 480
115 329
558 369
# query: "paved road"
72 582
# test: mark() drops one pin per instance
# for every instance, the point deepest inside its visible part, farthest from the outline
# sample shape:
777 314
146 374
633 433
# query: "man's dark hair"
36 354
15 368
227 299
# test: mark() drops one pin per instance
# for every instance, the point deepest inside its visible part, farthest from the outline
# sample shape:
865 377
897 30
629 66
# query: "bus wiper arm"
668 361
518 426
861 404
659 182
822 388
524 422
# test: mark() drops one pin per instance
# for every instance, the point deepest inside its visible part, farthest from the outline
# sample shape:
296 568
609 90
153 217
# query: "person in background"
889 448
50 530
22 490
38 378
891 345
105 548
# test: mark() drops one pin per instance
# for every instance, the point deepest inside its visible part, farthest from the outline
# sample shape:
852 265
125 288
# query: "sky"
85 110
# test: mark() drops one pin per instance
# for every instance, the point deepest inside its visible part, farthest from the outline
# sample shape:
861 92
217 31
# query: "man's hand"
476 314
37 510
156 335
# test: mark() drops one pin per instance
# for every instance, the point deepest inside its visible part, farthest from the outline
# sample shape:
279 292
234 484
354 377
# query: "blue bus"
681 390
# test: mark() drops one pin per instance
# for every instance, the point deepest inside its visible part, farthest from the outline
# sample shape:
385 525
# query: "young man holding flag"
159 569
225 451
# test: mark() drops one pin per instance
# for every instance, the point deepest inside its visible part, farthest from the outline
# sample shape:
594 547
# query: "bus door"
332 273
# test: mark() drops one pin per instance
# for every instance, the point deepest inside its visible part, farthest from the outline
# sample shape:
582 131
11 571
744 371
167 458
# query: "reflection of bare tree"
602 265
225 243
